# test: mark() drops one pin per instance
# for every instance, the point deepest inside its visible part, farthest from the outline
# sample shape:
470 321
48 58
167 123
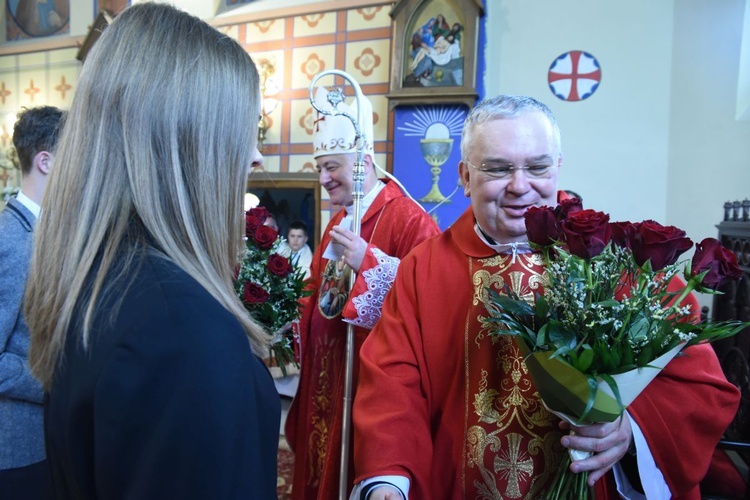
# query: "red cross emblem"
574 76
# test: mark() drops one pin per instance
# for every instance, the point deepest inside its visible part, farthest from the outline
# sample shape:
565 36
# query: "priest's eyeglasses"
504 171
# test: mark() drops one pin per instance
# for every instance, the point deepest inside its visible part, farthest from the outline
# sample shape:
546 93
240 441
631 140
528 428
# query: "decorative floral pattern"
379 280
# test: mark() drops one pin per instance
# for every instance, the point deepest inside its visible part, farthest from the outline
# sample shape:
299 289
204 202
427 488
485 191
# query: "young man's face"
297 239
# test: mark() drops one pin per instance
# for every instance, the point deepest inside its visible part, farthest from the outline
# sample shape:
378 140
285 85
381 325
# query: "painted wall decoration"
574 75
36 18
434 52
111 6
435 57
426 154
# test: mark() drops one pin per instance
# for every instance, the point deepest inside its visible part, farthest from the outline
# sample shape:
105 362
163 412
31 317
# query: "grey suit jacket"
21 411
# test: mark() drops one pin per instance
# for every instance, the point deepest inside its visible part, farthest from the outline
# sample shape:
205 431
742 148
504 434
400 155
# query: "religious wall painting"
435 58
574 76
26 19
434 51
426 156
113 7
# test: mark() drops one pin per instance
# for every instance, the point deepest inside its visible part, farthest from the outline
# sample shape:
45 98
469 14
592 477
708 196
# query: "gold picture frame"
434 52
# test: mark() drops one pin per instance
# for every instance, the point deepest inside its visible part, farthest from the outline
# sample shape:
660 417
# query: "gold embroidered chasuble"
512 444
442 402
453 409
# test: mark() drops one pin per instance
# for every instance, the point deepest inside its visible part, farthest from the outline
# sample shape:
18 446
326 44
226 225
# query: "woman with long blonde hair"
146 353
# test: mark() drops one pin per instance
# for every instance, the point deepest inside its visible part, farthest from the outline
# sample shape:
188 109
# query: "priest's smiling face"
335 175
512 164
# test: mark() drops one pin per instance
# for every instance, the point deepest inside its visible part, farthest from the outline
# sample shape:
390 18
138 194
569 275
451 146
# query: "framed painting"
27 19
434 51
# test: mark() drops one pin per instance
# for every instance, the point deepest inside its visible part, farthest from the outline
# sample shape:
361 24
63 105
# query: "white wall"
709 147
660 138
616 142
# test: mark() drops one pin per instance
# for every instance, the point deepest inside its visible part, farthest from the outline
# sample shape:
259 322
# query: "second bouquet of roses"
612 314
270 286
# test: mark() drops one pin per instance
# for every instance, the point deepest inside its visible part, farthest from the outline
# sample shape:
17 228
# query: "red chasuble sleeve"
392 225
684 411
378 268
388 440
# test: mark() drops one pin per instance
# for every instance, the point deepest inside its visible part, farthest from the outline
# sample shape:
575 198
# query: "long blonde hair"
155 149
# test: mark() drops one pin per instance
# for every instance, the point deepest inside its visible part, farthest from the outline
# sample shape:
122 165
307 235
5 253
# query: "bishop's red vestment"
454 409
392 225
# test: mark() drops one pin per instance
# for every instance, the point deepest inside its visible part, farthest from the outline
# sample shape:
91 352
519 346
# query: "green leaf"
559 335
608 303
615 390
541 338
593 388
512 306
646 355
585 358
627 354
542 309
562 351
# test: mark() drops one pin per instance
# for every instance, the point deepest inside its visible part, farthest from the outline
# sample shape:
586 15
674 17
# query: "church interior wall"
662 136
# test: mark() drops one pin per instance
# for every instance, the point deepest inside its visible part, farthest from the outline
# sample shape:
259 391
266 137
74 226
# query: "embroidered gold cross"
514 465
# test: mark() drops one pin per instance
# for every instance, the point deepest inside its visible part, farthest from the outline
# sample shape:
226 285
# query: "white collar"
367 200
27 202
515 247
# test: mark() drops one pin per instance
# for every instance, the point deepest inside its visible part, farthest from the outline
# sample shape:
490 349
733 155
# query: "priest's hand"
608 441
354 246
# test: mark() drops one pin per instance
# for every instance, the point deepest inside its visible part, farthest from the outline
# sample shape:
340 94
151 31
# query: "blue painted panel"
420 131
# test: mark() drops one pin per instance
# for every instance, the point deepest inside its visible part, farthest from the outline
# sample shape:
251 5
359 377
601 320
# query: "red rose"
661 244
720 262
541 225
586 232
260 213
255 294
567 207
623 233
265 237
279 265
251 224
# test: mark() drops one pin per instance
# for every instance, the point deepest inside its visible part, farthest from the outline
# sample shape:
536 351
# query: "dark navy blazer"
167 401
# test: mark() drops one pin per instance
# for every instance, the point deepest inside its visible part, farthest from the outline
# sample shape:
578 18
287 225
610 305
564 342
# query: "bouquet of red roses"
270 286
611 316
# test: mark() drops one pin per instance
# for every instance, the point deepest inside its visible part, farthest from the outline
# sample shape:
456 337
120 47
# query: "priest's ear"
369 166
463 177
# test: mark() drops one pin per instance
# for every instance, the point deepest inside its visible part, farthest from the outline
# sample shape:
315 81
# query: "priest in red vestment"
391 225
444 410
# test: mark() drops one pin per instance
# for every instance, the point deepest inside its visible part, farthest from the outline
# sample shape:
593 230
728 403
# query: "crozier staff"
391 225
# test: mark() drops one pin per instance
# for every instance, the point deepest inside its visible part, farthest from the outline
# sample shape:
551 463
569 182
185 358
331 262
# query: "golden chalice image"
435 152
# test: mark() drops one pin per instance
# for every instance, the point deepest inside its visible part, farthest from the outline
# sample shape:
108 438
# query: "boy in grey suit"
23 469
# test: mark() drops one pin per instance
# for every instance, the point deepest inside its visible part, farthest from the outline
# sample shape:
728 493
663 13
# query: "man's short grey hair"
499 108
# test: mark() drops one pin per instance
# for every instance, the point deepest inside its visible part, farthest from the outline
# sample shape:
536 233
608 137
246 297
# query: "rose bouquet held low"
612 315
270 287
